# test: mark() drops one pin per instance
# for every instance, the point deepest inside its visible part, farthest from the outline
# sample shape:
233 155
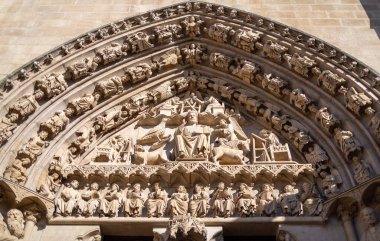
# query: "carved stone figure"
81 69
85 136
55 124
134 202
330 81
302 65
192 26
108 88
374 124
138 73
50 183
166 33
362 170
81 104
245 70
348 143
327 120
198 205
143 157
67 200
274 50
222 202
274 85
89 202
15 223
25 106
311 200
220 32
220 61
157 200
266 203
316 156
191 139
7 127
245 201
168 60
111 202
331 182
194 54
246 39
109 120
139 42
300 100
179 202
185 227
34 147
359 103
16 171
51 85
109 54
372 232
290 204
118 150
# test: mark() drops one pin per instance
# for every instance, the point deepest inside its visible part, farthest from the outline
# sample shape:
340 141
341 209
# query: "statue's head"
221 185
368 215
197 188
74 184
94 186
288 188
156 186
181 189
136 187
15 220
243 186
192 117
115 187
266 187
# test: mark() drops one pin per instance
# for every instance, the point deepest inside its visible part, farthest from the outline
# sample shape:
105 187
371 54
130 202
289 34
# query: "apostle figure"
156 202
191 140
89 203
199 202
67 200
372 233
179 202
134 202
311 200
267 201
290 204
245 201
223 205
110 203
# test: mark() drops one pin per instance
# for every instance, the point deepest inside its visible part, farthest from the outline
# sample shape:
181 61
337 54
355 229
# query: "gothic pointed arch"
192 95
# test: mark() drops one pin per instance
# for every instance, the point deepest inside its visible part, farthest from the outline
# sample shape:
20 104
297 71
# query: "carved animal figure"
228 155
142 157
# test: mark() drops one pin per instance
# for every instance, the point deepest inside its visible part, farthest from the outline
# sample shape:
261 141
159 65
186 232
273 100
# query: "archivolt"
300 73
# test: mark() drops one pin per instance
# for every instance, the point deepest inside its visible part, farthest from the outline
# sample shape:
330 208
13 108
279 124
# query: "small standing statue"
223 204
245 201
199 202
179 202
110 203
67 200
311 200
156 202
134 203
267 201
89 203
290 204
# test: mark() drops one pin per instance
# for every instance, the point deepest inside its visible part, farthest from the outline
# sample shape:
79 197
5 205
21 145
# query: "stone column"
345 214
31 216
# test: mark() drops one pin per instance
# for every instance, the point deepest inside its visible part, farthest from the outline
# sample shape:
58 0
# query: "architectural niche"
199 118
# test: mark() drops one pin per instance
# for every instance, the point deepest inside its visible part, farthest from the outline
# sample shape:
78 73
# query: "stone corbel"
32 214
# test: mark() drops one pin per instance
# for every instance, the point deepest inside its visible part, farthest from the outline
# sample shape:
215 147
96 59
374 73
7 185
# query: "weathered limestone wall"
30 28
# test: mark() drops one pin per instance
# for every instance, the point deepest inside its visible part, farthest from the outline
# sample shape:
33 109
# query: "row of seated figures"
194 129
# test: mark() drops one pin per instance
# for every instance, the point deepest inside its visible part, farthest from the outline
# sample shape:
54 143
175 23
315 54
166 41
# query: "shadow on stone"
372 8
